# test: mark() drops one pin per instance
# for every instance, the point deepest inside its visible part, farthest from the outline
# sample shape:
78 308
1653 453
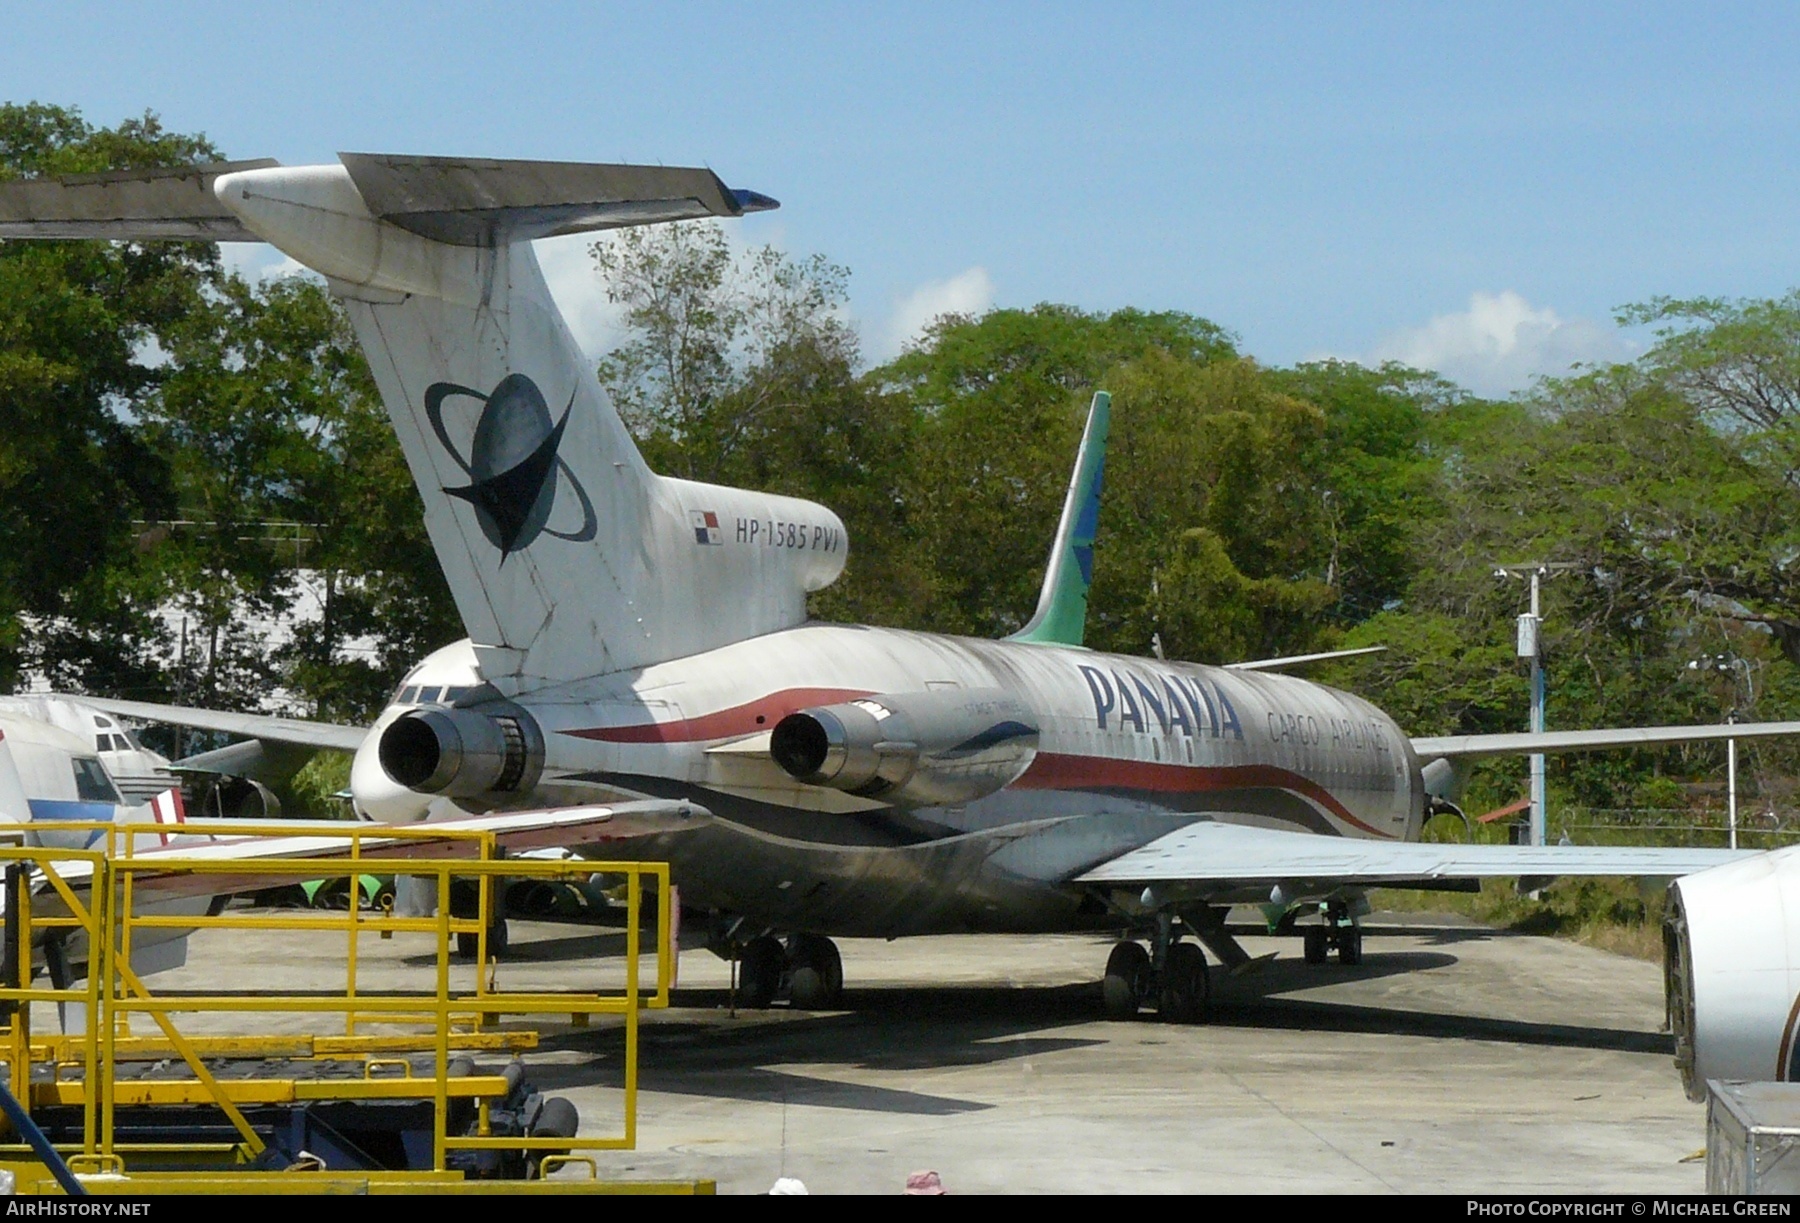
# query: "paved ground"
1454 1059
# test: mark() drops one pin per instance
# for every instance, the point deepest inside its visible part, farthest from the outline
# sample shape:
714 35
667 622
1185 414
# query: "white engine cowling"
1731 947
911 748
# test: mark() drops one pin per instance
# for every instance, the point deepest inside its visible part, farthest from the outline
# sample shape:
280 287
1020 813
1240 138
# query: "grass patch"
1617 915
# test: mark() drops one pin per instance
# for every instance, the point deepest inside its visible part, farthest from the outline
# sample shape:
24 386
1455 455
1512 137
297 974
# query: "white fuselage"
1126 746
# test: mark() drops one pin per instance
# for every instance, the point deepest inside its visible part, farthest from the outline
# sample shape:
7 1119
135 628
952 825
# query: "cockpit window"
428 696
453 695
92 785
406 695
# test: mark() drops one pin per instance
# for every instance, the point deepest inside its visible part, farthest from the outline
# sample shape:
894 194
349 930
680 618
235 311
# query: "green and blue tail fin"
1061 617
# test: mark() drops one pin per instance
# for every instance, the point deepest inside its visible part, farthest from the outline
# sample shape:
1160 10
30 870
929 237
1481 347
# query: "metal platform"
391 1101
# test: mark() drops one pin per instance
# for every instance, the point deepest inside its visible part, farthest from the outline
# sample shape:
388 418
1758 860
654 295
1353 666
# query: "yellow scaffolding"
107 893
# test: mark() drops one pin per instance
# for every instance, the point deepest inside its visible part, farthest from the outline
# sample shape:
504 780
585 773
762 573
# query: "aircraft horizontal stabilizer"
322 736
467 201
461 201
1215 853
1557 741
126 205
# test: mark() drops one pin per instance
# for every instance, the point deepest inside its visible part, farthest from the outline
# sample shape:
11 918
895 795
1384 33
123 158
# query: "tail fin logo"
512 462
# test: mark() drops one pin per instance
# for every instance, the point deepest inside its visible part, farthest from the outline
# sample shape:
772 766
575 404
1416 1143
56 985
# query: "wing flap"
1212 852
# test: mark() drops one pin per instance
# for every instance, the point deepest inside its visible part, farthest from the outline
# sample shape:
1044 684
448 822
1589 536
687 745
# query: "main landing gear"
1337 932
1171 976
807 969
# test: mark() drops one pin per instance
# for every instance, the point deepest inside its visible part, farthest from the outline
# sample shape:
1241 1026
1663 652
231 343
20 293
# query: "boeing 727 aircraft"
637 636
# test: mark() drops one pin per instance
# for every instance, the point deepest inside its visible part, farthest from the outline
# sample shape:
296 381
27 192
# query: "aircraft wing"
1556 741
1296 660
1302 862
320 735
514 831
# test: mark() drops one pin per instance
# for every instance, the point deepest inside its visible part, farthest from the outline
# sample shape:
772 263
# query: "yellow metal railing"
102 893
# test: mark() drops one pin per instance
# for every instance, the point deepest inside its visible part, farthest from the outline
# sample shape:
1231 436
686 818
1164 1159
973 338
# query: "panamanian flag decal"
706 527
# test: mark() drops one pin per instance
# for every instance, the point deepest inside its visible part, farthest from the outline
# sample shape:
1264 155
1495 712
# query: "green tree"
80 328
699 319
1663 514
1000 402
1211 522
740 369
1736 361
1379 482
286 464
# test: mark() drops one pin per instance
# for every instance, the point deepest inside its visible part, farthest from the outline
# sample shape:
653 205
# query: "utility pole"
1530 646
1737 668
1731 779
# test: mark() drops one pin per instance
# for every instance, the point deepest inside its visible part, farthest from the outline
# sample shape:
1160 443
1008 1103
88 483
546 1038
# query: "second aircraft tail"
1061 617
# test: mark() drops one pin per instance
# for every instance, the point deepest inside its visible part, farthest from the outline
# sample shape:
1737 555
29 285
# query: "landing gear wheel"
465 901
816 979
1126 982
759 973
1185 985
1317 944
1349 945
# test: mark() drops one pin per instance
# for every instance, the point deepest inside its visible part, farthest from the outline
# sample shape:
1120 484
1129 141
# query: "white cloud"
258 262
1501 343
575 284
969 292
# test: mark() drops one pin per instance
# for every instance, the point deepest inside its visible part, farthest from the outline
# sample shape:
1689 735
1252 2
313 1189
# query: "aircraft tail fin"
567 556
1061 617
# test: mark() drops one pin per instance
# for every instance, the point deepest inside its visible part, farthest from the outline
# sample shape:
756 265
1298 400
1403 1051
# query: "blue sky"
1474 187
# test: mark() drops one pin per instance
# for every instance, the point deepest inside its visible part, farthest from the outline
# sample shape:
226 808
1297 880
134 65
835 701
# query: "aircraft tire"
464 902
468 944
1122 989
759 973
1185 985
1350 946
1316 942
816 982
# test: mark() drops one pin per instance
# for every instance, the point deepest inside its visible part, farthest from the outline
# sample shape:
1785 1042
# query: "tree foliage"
80 323
179 441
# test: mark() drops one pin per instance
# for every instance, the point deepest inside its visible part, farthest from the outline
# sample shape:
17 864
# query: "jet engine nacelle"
913 749
1731 946
482 753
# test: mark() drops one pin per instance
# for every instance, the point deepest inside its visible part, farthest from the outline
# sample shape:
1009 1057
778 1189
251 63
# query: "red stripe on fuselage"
1049 771
1055 772
740 720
